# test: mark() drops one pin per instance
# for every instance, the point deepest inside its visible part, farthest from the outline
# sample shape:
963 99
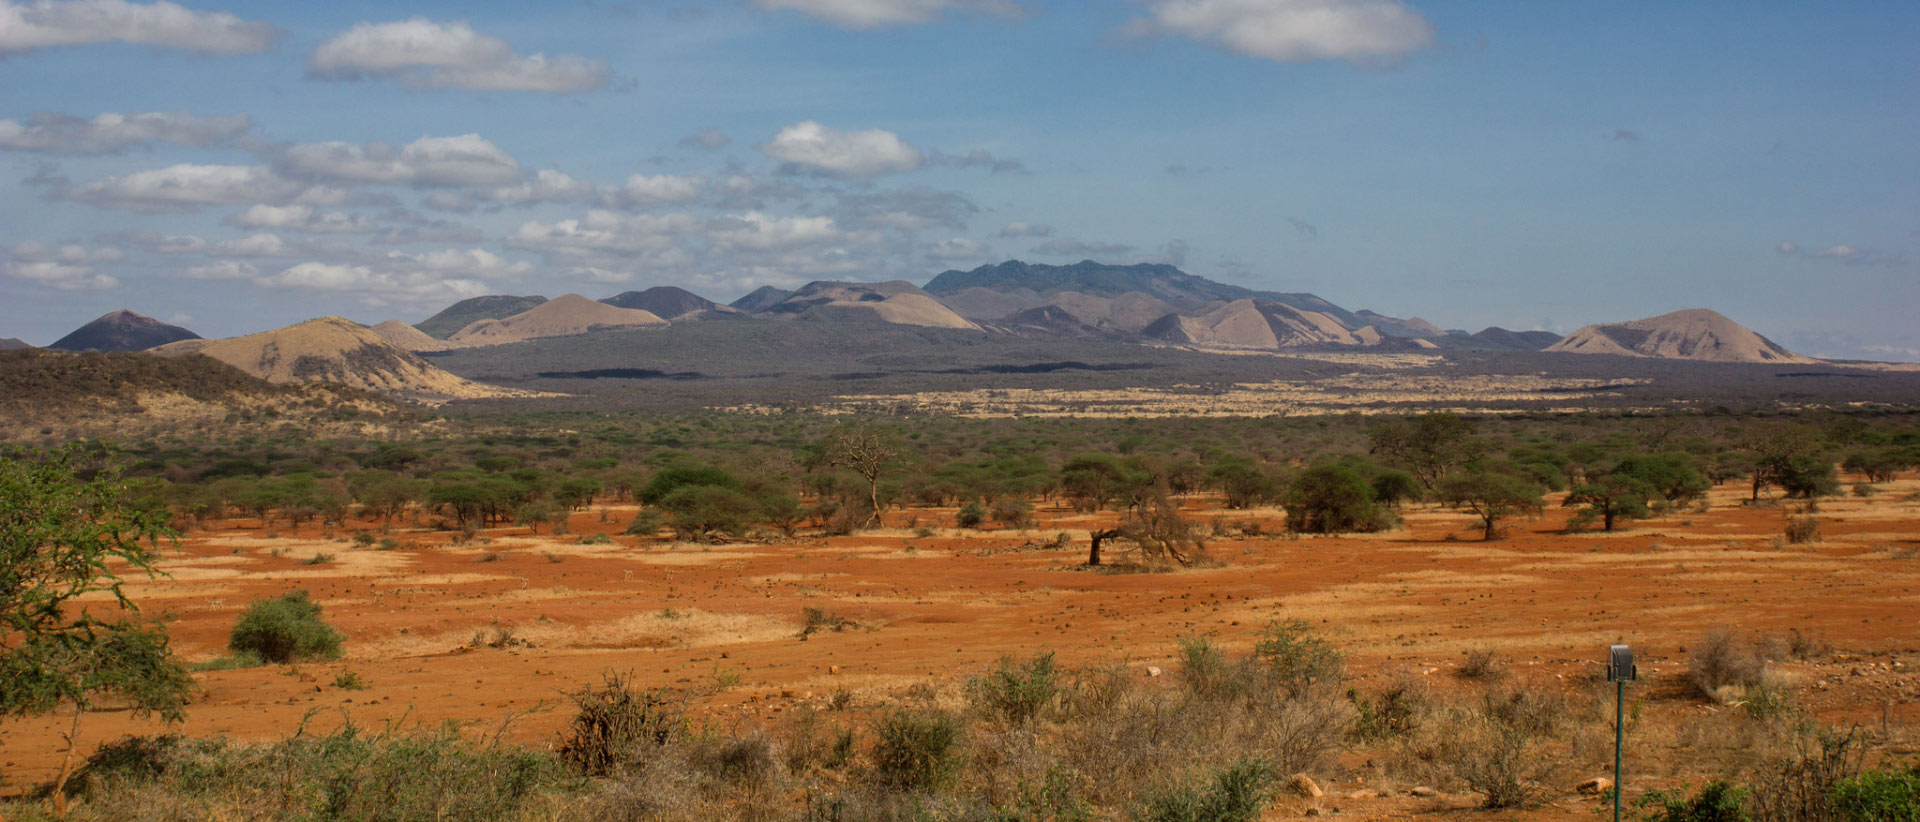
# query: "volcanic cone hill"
466 312
898 302
669 303
11 343
562 316
1691 334
410 338
1258 324
339 351
122 330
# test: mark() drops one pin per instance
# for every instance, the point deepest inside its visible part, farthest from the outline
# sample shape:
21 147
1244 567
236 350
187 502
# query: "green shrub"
1880 796
615 725
1237 794
1716 802
286 628
349 774
1295 657
970 515
1018 692
916 750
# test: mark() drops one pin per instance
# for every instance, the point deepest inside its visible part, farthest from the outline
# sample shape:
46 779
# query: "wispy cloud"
47 23
52 133
871 14
1294 31
429 54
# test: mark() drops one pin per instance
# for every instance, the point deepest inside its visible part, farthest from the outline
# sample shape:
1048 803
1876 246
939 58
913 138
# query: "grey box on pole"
1620 666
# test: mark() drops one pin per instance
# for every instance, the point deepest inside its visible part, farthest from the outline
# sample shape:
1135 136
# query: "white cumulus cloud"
868 14
810 146
47 23
53 133
1295 31
64 276
426 53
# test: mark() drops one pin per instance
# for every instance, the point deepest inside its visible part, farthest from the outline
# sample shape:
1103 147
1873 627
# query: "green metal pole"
1619 730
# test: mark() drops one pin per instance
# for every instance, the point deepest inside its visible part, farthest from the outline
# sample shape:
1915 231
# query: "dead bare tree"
868 452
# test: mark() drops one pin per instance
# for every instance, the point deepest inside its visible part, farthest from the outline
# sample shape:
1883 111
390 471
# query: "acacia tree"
1491 495
59 533
869 452
1430 445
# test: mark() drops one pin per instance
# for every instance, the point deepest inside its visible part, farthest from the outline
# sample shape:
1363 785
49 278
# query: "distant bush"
1017 692
1236 794
1802 530
1296 658
616 725
285 629
916 750
970 515
1717 801
1013 512
1719 660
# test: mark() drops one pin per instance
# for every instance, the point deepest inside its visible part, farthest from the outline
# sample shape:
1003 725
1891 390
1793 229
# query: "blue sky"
240 166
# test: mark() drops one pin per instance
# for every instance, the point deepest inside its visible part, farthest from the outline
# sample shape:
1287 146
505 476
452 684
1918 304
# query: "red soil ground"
943 607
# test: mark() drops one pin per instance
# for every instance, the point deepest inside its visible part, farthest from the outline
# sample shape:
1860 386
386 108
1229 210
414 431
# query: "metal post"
1619 734
1620 668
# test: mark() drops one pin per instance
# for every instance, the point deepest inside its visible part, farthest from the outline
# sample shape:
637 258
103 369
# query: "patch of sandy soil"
472 634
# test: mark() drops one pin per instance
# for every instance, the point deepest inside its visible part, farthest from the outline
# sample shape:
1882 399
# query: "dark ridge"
1828 374
1182 290
463 313
664 301
121 331
761 299
621 374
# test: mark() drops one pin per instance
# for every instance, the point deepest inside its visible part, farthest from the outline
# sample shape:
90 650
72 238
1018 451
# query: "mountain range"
1156 305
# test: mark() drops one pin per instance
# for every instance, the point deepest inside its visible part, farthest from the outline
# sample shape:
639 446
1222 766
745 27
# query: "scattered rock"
1303 785
1153 670
1311 812
833 669
1423 792
1597 785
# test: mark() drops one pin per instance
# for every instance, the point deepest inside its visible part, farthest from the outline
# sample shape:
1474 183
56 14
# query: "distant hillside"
122 330
409 338
339 351
1692 334
1183 291
761 299
1257 324
667 302
466 312
52 394
1395 327
897 301
1495 338
562 316
11 343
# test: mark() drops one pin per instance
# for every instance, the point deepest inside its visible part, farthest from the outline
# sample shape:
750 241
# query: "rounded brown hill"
562 316
410 338
1691 334
336 350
